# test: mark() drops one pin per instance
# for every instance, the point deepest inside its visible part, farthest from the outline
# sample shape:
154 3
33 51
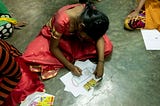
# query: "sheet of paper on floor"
151 39
75 84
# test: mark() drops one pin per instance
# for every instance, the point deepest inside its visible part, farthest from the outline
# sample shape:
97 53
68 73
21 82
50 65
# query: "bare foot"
20 24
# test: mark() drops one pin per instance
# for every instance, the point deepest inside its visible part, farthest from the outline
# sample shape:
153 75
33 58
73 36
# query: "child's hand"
133 14
76 71
99 70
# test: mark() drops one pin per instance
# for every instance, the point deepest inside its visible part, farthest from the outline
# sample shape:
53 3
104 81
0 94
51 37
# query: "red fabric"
38 53
61 21
29 84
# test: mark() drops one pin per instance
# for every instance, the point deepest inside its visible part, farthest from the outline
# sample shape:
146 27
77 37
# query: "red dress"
29 82
37 53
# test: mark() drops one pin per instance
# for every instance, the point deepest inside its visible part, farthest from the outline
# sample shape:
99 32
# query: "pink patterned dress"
40 59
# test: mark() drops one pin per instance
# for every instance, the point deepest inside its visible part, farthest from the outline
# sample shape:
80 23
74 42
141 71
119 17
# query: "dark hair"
83 1
96 23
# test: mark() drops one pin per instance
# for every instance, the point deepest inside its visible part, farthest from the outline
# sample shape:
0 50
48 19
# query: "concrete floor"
132 76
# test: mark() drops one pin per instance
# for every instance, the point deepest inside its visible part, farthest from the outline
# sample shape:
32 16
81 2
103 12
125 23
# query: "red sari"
29 82
40 59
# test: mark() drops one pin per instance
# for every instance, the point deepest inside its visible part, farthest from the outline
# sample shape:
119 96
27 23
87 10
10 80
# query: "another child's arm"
137 9
11 73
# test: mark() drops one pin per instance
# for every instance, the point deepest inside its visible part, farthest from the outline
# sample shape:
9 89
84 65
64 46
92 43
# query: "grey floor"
132 75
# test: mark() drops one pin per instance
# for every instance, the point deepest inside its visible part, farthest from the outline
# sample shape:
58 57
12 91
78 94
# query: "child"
75 32
146 15
7 23
16 81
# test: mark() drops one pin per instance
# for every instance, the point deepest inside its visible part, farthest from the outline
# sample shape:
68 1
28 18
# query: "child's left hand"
99 70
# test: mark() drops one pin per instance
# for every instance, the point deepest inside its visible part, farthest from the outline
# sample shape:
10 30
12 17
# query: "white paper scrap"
151 39
75 84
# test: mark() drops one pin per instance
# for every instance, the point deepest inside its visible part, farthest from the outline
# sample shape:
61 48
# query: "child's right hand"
76 71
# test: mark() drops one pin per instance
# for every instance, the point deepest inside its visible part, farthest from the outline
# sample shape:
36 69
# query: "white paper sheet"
151 39
75 84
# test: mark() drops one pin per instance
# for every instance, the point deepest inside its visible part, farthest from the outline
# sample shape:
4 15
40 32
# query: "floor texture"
132 75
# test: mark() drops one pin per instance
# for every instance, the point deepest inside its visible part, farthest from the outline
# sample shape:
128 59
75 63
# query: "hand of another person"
133 14
76 71
99 70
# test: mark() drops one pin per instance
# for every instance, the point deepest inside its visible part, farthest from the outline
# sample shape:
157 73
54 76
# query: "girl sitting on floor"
75 32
